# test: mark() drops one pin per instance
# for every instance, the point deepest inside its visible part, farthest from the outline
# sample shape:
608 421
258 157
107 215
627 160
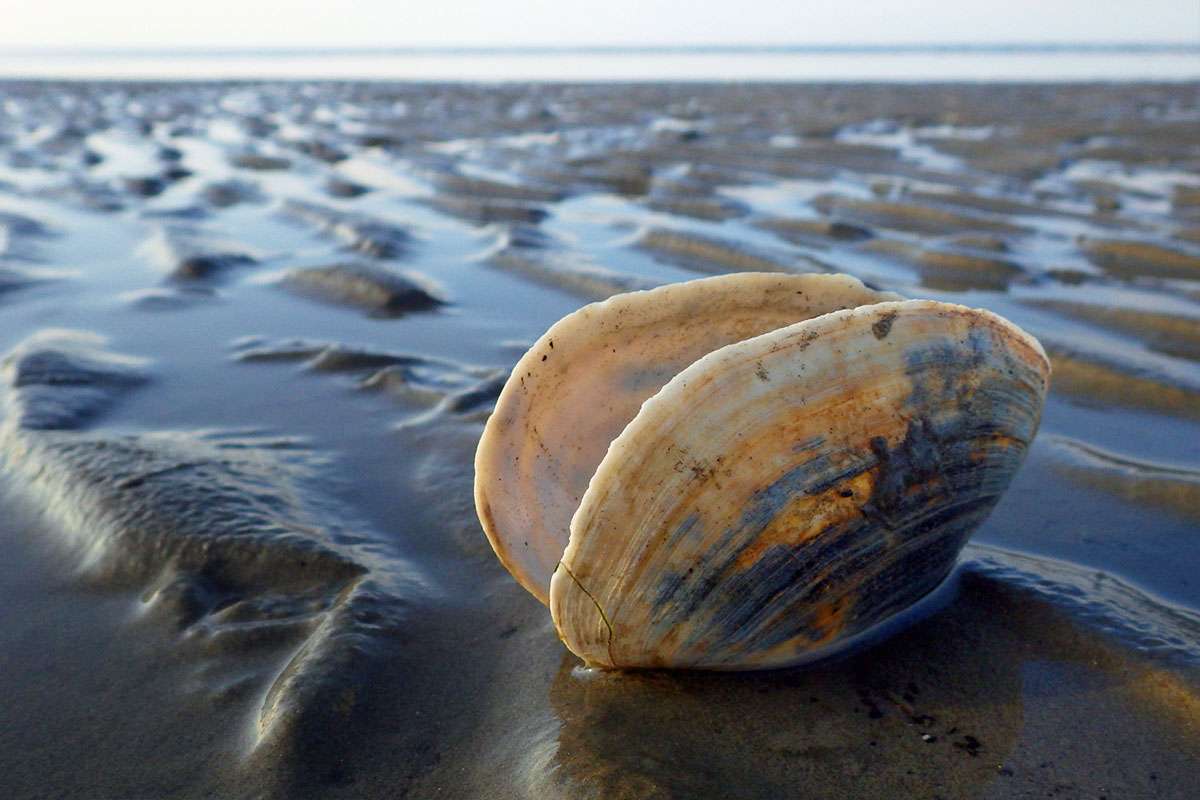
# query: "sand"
252 332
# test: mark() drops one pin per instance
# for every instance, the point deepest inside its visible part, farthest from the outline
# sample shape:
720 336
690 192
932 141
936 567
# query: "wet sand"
252 332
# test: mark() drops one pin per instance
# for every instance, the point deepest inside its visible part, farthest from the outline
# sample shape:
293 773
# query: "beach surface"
251 333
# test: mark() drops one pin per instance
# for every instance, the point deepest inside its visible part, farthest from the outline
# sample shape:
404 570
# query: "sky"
384 23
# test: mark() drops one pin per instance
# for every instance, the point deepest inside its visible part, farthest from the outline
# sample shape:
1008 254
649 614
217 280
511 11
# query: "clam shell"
784 494
583 381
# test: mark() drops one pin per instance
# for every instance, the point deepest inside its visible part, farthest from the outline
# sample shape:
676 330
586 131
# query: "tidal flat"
251 331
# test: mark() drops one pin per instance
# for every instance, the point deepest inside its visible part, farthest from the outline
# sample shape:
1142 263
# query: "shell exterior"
582 382
787 493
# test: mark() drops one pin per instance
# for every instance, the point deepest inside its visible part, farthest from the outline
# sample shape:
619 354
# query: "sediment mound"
188 254
228 537
714 256
379 290
443 386
367 235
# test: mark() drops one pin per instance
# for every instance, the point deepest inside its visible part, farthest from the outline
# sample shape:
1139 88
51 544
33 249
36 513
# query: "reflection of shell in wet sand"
852 728
749 471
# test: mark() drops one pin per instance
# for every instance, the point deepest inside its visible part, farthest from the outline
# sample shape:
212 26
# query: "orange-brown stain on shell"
829 620
806 516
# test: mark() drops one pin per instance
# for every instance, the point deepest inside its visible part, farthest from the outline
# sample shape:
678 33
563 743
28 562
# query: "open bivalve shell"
749 471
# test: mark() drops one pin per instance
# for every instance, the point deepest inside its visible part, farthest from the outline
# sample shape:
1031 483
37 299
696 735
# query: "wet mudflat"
252 332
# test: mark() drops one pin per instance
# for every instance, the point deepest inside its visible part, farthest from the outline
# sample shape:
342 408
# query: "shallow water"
652 64
1061 658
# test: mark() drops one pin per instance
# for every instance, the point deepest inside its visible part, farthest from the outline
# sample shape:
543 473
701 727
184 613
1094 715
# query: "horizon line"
1182 46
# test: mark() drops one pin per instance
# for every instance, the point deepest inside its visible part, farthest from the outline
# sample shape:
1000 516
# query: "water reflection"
940 709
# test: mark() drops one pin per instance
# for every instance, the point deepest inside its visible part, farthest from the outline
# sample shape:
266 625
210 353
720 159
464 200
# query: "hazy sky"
170 23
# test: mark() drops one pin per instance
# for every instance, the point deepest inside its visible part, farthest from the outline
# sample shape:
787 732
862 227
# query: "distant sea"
1011 62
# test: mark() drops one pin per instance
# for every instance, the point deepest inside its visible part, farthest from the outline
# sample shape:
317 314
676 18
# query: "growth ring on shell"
747 471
